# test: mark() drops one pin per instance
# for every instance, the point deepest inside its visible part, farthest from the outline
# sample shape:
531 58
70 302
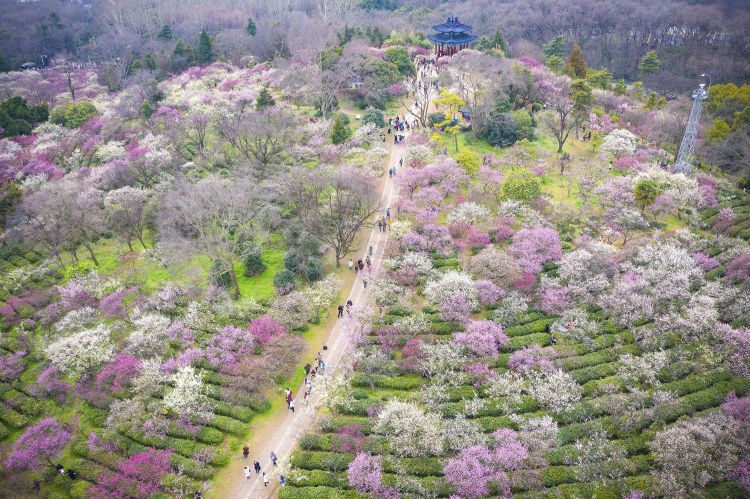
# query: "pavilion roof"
452 25
452 39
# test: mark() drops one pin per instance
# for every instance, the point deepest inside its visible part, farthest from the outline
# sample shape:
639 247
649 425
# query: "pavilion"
451 37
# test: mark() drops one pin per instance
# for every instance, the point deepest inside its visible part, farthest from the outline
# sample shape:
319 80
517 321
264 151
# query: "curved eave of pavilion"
441 39
455 28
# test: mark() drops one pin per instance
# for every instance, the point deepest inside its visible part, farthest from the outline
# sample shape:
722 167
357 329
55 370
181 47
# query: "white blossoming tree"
411 431
81 352
449 284
188 398
557 391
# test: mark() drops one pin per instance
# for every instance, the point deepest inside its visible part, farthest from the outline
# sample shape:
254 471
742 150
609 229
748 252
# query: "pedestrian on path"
351 264
245 452
273 457
307 368
291 405
256 465
282 480
246 472
265 479
364 281
341 311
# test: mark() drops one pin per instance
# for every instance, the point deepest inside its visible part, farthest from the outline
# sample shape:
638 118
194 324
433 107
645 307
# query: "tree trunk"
91 253
75 255
140 239
130 245
338 257
235 284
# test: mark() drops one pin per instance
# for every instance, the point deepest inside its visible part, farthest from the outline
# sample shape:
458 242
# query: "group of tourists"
256 465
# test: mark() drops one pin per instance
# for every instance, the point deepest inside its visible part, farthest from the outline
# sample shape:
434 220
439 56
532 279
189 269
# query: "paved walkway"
282 438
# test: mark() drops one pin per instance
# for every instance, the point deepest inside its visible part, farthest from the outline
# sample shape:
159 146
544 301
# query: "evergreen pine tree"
265 99
650 63
499 43
583 101
251 28
576 62
150 61
165 33
341 131
555 47
204 52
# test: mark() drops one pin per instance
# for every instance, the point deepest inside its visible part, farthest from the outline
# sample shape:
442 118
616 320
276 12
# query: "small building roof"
452 25
452 39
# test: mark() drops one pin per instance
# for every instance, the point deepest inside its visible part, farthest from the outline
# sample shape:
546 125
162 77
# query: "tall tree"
341 132
650 63
334 207
583 101
205 218
265 99
165 33
260 136
204 53
453 103
60 216
576 62
251 28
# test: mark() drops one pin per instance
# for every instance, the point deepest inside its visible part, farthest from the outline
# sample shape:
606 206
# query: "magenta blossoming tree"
475 467
138 476
482 338
535 247
534 357
39 445
226 347
365 473
118 373
456 308
265 328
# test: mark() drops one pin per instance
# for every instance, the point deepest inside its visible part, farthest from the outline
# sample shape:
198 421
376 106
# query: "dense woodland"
557 312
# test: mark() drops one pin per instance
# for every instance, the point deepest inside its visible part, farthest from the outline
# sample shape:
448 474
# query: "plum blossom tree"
477 466
265 328
139 476
125 208
450 283
365 473
456 309
410 431
227 346
79 353
556 390
149 339
696 451
495 265
482 338
535 247
533 357
41 442
188 398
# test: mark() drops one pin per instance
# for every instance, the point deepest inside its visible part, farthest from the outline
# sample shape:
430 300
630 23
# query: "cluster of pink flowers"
482 338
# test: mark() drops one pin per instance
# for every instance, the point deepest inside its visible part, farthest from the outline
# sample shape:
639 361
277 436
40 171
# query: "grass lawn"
261 285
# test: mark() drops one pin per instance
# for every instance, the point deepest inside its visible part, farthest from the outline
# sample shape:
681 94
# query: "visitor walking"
282 480
351 264
364 281
245 452
291 405
256 465
246 472
265 479
341 310
273 457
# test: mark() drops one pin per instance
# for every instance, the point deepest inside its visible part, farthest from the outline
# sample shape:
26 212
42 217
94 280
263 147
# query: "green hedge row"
291 492
537 326
406 382
12 419
599 357
228 425
244 414
518 342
